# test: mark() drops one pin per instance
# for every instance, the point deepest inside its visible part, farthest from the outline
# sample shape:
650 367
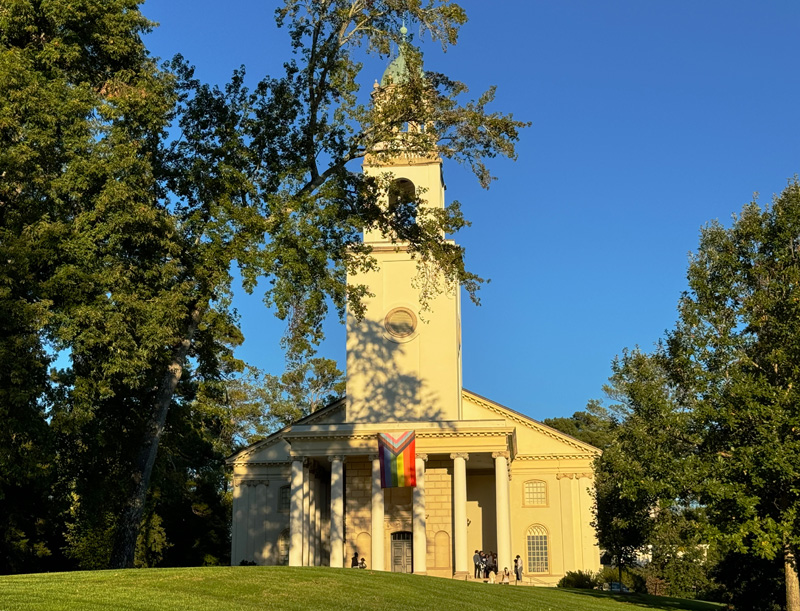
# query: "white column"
318 517
504 558
312 519
419 534
337 511
239 530
306 513
463 558
377 515
296 514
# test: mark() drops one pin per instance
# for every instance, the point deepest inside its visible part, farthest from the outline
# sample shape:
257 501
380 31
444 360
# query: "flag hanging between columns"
397 456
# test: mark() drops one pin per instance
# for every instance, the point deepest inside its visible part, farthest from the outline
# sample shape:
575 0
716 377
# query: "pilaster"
420 537
378 514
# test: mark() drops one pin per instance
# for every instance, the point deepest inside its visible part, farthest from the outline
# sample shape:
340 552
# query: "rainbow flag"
398 457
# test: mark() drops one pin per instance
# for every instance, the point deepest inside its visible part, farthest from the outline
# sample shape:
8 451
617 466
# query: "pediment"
534 439
275 448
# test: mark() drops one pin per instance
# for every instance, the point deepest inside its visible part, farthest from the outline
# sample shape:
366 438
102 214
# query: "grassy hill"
290 588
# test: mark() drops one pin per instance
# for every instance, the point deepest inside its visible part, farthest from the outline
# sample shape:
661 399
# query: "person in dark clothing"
476 560
518 568
354 561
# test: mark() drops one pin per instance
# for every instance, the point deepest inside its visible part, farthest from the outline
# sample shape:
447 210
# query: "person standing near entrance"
518 568
476 560
354 561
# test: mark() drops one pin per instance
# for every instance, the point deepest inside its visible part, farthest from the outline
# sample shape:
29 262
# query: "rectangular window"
535 493
283 499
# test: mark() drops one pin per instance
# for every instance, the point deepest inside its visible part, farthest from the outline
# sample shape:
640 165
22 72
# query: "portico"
448 446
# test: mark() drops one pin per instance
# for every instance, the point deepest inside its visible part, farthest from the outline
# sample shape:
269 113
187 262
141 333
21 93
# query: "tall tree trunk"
792 583
124 551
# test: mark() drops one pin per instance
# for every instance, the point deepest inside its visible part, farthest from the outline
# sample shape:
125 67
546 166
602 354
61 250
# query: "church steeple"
403 364
398 70
413 170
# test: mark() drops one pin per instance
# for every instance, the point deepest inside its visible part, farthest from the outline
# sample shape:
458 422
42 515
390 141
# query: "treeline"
697 490
130 192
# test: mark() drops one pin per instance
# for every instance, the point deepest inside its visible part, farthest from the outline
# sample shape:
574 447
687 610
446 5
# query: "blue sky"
648 120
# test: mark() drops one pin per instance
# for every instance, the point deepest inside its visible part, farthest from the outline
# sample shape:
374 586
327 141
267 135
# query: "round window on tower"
400 322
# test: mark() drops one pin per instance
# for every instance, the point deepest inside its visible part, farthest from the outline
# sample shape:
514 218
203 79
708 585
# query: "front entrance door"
402 556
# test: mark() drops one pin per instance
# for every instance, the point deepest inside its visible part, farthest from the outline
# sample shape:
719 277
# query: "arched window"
441 550
283 548
538 550
403 197
364 547
535 493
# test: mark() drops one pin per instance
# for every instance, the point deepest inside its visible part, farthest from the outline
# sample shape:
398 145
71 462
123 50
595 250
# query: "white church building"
487 477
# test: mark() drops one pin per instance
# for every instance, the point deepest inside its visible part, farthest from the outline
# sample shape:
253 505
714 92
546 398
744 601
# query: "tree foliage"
706 447
737 348
594 426
130 190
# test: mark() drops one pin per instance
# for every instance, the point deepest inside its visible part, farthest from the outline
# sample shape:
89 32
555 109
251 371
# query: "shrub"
583 580
631 578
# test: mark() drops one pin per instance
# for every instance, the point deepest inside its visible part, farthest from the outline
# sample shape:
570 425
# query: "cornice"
574 475
273 463
524 457
369 436
390 247
401 158
253 481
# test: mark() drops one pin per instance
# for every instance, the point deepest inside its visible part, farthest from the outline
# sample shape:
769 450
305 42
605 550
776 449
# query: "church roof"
398 70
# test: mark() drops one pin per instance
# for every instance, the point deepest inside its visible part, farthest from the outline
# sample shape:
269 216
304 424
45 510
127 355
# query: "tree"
646 478
736 349
136 231
65 70
594 426
708 437
252 405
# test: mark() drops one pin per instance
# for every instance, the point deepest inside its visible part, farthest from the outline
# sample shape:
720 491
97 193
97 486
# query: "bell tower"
403 363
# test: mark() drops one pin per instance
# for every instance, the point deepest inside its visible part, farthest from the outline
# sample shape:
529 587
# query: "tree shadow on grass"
652 602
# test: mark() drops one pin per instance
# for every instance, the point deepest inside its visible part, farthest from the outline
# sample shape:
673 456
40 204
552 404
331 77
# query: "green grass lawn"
290 588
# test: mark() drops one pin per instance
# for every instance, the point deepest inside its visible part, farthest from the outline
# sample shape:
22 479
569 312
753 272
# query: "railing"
536 581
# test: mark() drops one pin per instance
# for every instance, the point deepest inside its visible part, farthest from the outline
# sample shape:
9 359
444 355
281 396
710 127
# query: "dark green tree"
737 348
123 235
252 404
645 479
594 426
66 68
707 445
750 582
